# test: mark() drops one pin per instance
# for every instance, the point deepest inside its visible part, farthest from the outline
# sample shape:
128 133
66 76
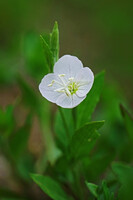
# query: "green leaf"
128 122
25 165
35 63
86 108
124 174
19 140
29 96
95 166
55 42
50 187
60 129
41 108
106 191
101 192
7 121
47 54
93 188
84 138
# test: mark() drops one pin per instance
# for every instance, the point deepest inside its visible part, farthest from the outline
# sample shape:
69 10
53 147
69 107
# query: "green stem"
74 117
64 122
78 186
52 151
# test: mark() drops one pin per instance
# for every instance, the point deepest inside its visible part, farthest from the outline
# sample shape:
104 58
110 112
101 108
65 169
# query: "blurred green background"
100 34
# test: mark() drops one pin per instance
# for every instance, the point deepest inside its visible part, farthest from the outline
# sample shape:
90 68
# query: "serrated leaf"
86 108
51 187
83 139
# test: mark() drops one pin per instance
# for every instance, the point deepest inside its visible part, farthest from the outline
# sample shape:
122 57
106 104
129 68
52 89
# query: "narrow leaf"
128 122
55 42
50 187
85 109
92 188
48 54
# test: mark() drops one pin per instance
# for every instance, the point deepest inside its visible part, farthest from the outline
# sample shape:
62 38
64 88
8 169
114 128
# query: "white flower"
69 84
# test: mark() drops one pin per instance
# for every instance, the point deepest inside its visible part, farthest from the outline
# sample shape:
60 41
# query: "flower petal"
69 65
48 91
85 78
69 101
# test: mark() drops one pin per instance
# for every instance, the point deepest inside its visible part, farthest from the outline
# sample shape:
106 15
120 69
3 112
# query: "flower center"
72 87
67 86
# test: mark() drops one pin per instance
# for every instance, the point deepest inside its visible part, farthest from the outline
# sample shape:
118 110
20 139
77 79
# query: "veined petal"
76 100
48 86
69 101
85 79
69 65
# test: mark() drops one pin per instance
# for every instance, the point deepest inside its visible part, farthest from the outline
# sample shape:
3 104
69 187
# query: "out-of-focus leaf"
47 54
41 108
128 122
6 193
101 192
19 140
104 192
98 163
6 59
109 108
124 174
50 187
93 188
86 108
7 121
25 165
51 150
29 96
35 63
55 42
83 138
